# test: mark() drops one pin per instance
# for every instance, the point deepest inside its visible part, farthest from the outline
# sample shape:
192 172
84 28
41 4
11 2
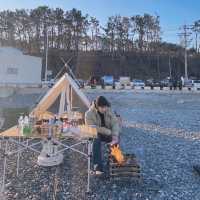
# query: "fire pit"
123 165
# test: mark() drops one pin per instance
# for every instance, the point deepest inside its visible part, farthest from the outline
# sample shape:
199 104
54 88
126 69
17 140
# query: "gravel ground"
161 128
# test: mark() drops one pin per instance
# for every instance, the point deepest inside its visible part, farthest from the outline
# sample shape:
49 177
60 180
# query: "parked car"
149 82
94 80
156 83
81 83
125 80
48 83
165 83
196 84
137 82
188 83
152 83
108 80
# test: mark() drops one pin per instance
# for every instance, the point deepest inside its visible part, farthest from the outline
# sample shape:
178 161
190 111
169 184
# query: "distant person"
182 81
180 84
101 116
175 84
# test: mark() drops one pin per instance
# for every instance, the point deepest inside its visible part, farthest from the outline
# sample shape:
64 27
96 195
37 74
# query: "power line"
185 36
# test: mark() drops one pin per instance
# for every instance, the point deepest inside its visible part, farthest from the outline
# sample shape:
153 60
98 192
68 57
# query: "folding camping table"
12 136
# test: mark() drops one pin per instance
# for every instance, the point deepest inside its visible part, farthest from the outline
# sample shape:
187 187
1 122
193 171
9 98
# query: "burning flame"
117 154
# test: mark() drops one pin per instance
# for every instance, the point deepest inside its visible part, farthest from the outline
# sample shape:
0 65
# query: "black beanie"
101 101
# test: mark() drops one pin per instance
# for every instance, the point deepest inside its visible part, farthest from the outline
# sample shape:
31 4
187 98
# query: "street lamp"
46 54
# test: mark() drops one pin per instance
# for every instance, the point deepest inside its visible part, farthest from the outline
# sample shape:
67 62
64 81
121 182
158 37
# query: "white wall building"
17 69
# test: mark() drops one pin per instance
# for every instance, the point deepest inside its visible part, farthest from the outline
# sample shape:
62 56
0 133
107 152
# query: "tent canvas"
66 88
69 92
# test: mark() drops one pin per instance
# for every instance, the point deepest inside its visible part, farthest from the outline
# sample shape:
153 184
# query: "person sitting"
106 123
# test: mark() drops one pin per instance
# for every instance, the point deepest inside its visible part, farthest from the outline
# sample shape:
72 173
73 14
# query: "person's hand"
115 140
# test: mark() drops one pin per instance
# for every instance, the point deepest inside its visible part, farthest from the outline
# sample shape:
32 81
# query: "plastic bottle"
31 120
26 129
21 124
26 120
50 124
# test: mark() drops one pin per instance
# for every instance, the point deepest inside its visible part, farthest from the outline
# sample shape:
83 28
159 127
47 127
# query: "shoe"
97 170
98 173
197 168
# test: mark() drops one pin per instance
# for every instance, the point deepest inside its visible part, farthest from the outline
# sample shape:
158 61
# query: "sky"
173 13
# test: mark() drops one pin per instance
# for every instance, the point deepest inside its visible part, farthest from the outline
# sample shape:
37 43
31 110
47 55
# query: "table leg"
90 143
4 167
18 157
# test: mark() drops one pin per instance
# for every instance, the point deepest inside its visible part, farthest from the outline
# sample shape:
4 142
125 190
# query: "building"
17 69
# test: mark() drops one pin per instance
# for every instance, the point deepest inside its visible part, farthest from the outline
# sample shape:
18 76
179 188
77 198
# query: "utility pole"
185 36
46 56
158 65
196 30
46 31
170 69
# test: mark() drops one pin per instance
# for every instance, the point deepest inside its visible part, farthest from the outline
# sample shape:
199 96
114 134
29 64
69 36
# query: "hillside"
134 64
